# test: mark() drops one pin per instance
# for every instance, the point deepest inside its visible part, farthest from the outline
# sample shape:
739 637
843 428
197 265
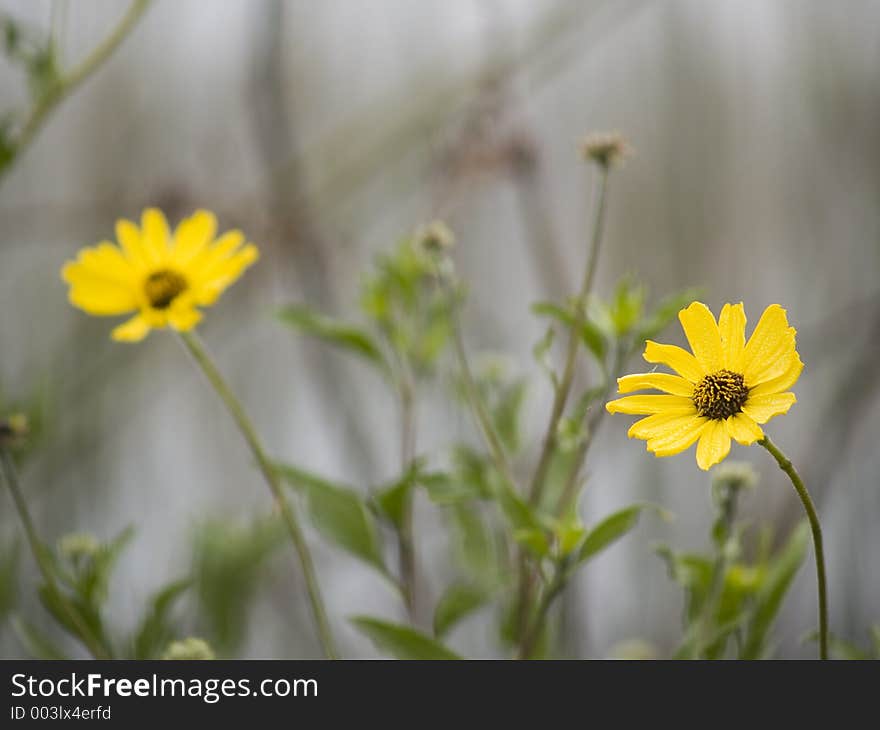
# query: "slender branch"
527 646
76 76
569 491
481 415
92 643
408 576
194 345
813 517
719 571
560 397
561 393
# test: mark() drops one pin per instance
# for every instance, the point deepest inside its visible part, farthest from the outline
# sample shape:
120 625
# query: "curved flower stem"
194 345
786 466
93 644
561 393
76 76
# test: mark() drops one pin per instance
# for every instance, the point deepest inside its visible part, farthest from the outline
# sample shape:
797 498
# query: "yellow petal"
100 281
134 330
769 351
155 235
743 429
678 359
781 383
131 241
184 318
224 275
678 437
646 404
102 302
659 381
660 426
193 235
714 445
732 325
702 333
225 246
764 407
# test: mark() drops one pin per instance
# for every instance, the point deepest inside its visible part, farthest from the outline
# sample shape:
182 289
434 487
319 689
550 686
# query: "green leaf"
569 535
35 642
340 514
519 513
589 333
93 579
534 539
768 600
155 632
459 601
506 413
229 560
474 543
88 614
347 336
665 312
691 571
541 353
392 499
402 642
444 489
626 306
612 528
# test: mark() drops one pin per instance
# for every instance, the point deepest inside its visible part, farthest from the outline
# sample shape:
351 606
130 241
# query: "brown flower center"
720 395
163 286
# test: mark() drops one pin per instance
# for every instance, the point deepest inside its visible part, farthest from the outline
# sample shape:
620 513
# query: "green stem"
481 415
527 646
195 347
92 643
408 576
76 76
719 572
562 391
786 466
569 492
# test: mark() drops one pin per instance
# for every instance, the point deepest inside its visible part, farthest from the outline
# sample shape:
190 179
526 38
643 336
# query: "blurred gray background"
328 130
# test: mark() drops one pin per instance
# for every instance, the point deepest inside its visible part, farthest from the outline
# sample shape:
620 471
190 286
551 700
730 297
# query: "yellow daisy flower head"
163 277
722 391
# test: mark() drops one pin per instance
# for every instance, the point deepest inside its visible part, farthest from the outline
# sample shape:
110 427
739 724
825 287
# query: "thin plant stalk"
560 397
531 636
481 415
563 390
10 474
569 490
194 345
408 573
719 572
70 80
815 527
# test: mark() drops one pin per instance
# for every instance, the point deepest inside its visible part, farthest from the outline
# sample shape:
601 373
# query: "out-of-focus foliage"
731 602
82 569
229 559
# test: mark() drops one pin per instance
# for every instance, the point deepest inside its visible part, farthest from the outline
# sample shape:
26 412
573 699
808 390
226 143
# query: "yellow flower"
164 277
721 392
